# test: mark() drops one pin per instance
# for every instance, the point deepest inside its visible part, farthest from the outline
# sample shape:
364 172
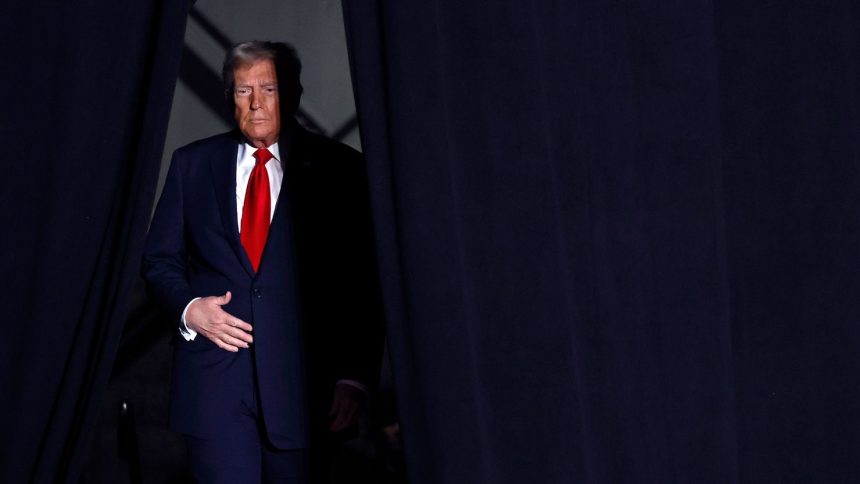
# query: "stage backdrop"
86 88
620 240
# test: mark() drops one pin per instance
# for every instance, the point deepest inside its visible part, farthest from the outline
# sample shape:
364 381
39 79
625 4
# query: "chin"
259 135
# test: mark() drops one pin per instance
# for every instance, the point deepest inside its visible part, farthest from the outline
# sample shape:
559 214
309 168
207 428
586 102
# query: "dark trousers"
243 460
241 453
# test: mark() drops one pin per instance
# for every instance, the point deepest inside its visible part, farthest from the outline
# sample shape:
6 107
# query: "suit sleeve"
165 259
361 325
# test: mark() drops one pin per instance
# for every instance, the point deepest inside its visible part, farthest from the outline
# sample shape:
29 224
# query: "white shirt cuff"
187 333
355 384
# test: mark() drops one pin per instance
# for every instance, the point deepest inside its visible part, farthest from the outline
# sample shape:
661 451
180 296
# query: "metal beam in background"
204 83
210 28
346 128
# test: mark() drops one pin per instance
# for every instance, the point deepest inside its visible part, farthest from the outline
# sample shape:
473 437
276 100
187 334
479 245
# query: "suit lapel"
290 155
282 232
223 166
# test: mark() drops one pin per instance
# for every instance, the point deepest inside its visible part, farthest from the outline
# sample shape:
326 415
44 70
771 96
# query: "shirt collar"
246 151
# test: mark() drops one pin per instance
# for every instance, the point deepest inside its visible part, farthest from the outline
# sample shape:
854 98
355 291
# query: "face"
257 112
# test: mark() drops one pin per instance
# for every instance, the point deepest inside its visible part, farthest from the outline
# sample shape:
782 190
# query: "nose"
255 100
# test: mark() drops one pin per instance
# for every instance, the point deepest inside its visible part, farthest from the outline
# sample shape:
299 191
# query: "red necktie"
257 209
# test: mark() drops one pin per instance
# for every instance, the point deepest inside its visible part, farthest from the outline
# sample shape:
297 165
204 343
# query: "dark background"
619 240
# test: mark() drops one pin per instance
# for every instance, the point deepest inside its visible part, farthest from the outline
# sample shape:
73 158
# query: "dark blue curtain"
87 88
620 241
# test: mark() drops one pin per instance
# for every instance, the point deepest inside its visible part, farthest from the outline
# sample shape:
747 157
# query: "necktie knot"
263 156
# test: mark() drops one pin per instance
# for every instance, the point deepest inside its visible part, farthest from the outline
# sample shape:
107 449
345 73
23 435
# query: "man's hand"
346 406
206 317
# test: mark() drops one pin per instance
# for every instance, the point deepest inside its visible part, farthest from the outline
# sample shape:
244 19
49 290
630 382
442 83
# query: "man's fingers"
238 329
224 346
338 423
351 415
231 334
239 334
222 300
337 412
238 323
345 418
345 412
335 407
225 330
232 341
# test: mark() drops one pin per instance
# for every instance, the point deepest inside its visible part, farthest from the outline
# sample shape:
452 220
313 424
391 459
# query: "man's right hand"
206 317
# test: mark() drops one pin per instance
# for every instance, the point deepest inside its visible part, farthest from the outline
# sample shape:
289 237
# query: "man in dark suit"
261 251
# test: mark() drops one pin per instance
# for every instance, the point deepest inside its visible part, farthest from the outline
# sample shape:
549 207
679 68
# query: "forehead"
256 73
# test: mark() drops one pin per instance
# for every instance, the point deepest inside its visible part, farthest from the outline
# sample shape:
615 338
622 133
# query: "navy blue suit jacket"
314 302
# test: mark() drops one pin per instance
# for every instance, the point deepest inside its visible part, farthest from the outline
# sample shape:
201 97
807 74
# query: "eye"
243 91
270 90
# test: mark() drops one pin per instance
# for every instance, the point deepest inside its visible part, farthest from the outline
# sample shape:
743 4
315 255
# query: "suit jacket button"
257 293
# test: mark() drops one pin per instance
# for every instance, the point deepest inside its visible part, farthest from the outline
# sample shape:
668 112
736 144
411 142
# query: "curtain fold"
619 241
88 92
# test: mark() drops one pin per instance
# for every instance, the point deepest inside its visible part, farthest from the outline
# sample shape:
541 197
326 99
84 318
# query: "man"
260 249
